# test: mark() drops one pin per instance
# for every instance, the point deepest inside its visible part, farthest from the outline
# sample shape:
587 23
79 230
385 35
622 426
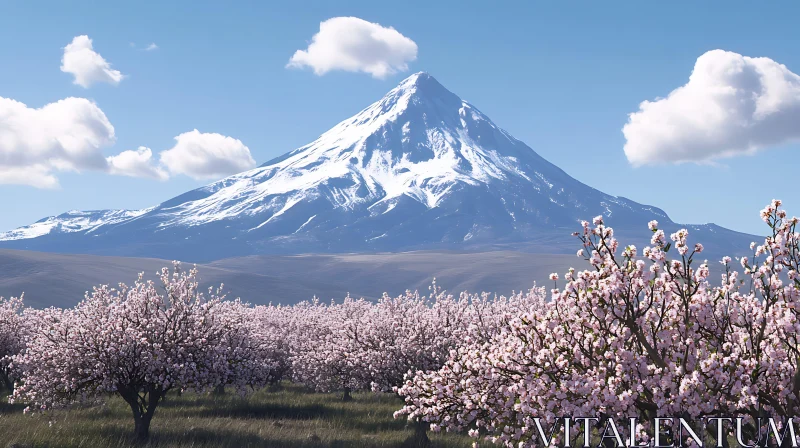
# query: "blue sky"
560 77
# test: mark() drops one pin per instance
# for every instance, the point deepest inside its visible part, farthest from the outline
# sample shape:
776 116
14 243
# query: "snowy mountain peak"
417 142
417 100
425 86
419 168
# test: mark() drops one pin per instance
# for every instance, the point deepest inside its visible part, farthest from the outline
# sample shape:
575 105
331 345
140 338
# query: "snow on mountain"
71 222
419 169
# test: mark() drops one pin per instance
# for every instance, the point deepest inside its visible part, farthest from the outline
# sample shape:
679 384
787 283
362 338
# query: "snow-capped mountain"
419 169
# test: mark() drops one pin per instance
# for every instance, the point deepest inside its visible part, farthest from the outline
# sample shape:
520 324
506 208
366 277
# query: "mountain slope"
62 279
419 169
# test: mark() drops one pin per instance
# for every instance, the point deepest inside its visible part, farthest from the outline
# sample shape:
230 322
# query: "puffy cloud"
86 65
206 155
68 135
39 176
732 105
71 134
138 163
355 45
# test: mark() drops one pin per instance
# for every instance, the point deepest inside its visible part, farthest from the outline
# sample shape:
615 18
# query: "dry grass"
287 416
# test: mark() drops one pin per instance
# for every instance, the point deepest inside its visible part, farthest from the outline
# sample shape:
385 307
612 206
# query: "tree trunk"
142 412
420 437
219 390
421 433
141 429
347 396
7 382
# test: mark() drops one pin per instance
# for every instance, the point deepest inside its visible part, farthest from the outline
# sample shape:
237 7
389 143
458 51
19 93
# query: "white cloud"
355 45
138 163
68 135
71 134
732 105
207 155
151 47
38 176
86 65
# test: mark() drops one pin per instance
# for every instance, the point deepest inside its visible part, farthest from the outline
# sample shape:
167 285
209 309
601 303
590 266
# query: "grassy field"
286 416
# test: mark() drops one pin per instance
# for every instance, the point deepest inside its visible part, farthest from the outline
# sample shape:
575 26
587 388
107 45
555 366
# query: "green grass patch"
285 416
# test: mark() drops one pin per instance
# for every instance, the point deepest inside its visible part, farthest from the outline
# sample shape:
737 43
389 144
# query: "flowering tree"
357 344
13 336
137 342
271 327
408 333
326 354
633 336
362 345
420 334
249 350
468 391
771 325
